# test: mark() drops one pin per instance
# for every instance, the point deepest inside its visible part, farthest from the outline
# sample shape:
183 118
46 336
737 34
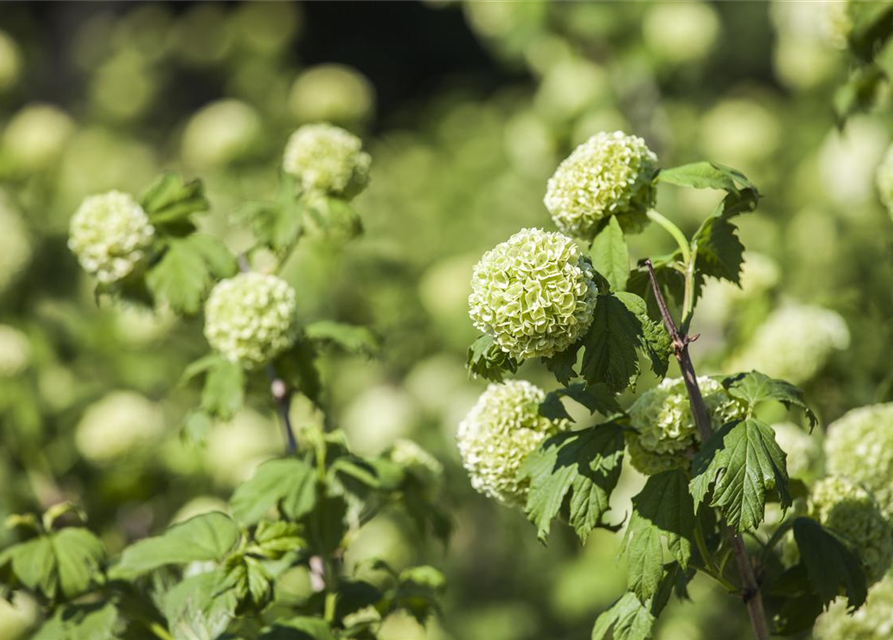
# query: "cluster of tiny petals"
534 293
851 511
871 621
498 434
609 174
110 234
418 461
251 318
327 159
664 427
860 446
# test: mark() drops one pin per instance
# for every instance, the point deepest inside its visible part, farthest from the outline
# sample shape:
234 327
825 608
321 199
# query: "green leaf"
335 217
417 592
80 622
859 93
745 463
654 341
627 619
297 367
272 540
187 270
596 397
611 342
224 390
34 564
663 514
248 580
706 175
170 199
290 481
350 338
756 387
279 224
300 628
196 607
63 563
832 567
487 360
208 537
610 255
562 364
582 467
326 526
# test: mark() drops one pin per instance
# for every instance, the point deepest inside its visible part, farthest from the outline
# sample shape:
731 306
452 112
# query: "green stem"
160 632
688 263
674 231
709 565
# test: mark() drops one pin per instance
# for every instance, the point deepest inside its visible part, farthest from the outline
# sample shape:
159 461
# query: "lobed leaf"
187 270
833 568
350 338
487 360
289 481
610 255
171 199
627 619
756 387
596 397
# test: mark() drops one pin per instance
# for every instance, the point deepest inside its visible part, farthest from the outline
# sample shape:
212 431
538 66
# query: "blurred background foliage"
466 108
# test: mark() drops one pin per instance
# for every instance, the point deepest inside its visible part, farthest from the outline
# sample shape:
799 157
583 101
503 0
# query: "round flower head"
220 133
250 318
609 174
884 180
15 245
327 159
794 343
533 293
15 351
664 425
849 510
498 434
36 136
871 621
416 460
860 446
331 92
804 450
116 425
110 234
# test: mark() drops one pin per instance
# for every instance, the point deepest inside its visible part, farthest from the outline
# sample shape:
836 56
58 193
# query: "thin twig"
750 591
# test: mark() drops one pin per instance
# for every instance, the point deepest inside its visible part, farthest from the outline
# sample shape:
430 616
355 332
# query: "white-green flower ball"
331 93
15 351
110 235
327 159
10 61
860 446
681 32
849 510
534 293
36 136
611 174
414 458
498 434
220 133
884 180
664 428
871 621
251 318
116 425
15 245
804 450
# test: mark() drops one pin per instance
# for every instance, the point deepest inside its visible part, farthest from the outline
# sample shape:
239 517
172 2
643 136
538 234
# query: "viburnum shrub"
215 575
714 467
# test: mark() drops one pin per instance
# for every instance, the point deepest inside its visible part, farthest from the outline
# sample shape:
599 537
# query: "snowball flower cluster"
411 456
498 434
219 133
116 425
884 180
794 343
849 510
250 318
534 293
664 425
860 446
327 159
110 234
804 450
36 135
872 621
15 351
331 92
609 174
681 32
15 245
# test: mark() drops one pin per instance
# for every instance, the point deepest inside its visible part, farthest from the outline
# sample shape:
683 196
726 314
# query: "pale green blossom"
116 425
681 32
664 428
220 133
416 460
251 318
793 343
36 136
609 174
327 159
533 293
859 445
331 93
15 351
849 510
498 435
110 234
871 621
